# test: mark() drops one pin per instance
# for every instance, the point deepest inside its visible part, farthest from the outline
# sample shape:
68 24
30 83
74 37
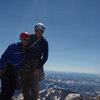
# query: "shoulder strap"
34 43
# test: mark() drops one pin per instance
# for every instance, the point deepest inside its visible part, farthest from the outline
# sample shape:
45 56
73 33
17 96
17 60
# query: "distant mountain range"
59 85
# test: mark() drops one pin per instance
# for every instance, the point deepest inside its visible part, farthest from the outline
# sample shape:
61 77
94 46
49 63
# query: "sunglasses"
25 39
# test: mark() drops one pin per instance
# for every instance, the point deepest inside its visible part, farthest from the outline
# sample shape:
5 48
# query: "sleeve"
45 50
3 58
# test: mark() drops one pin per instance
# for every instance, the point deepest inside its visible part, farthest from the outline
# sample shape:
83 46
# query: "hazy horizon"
58 71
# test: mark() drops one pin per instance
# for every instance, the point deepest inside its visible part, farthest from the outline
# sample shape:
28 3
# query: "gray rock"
74 96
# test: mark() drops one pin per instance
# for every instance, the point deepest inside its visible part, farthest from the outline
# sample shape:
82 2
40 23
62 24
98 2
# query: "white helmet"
39 26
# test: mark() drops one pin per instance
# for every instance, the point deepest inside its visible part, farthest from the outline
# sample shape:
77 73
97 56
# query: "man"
11 60
36 56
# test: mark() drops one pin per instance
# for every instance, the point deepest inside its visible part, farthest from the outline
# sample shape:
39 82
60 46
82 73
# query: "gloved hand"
41 74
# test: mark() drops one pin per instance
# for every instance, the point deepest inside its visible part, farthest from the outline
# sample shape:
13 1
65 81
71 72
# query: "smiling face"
24 42
38 33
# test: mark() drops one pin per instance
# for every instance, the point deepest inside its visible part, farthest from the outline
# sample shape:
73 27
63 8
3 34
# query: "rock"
97 97
18 97
74 96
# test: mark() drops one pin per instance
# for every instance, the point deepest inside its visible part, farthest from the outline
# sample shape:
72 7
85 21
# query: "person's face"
38 33
24 42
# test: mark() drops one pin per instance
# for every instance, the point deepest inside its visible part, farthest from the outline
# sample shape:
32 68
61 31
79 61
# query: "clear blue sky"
72 30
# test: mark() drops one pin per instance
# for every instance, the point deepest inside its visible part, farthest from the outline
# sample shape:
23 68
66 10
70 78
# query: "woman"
11 60
36 57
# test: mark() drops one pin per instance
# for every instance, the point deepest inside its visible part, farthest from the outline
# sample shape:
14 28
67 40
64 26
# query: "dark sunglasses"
25 39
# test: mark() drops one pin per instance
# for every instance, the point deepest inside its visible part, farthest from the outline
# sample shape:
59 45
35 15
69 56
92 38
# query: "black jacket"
38 48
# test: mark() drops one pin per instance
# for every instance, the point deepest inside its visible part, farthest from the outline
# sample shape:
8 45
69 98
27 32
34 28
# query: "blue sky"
72 30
